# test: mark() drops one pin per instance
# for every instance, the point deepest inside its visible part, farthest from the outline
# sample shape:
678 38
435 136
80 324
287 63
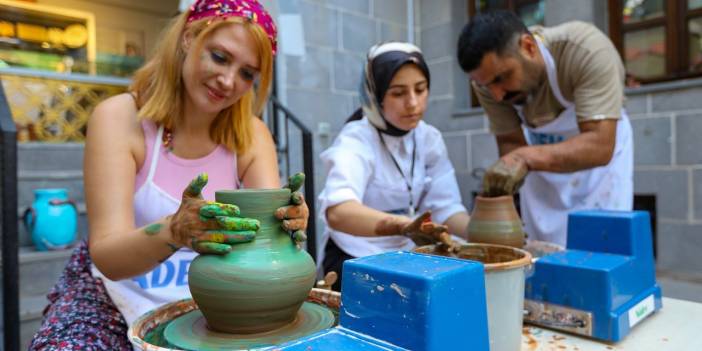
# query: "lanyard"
397 165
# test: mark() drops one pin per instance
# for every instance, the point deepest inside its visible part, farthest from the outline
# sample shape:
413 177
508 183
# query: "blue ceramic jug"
52 219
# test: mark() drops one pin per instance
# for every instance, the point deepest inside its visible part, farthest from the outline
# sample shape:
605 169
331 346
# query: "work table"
677 326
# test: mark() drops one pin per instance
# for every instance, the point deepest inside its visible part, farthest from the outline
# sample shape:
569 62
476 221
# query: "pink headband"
250 9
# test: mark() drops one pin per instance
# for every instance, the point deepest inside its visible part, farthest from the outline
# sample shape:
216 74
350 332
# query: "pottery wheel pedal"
190 331
603 284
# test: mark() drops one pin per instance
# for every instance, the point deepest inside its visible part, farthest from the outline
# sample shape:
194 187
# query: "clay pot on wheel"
495 221
259 286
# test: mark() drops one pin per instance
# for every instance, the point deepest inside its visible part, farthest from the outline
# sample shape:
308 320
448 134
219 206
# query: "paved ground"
677 287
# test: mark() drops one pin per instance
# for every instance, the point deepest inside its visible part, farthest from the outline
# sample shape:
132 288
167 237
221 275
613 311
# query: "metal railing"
10 246
279 120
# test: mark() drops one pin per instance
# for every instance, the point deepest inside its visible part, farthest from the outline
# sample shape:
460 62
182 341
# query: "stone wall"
468 143
321 85
667 120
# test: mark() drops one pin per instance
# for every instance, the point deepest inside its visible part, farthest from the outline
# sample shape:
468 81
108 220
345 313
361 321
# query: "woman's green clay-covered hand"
209 227
295 215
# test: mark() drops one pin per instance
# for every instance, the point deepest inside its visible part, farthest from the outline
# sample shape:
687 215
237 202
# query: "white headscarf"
383 61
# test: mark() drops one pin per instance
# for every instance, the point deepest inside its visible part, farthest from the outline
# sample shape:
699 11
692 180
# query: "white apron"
546 197
167 282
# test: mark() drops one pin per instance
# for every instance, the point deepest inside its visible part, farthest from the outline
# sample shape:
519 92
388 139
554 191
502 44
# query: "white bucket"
506 269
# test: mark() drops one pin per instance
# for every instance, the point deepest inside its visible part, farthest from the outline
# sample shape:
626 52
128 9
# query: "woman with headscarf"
387 165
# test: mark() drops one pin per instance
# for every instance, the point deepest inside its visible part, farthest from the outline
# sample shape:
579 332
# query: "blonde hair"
160 92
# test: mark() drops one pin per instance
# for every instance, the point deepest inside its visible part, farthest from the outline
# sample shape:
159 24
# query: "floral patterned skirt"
80 314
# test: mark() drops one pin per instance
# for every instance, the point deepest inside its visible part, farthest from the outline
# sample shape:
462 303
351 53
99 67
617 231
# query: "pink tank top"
159 186
171 174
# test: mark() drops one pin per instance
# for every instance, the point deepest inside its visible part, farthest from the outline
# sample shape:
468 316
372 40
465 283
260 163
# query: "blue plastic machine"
603 284
406 301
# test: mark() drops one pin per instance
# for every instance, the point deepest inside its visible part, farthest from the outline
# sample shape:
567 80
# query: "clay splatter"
238 224
214 209
153 229
196 185
398 290
531 341
208 63
298 236
295 181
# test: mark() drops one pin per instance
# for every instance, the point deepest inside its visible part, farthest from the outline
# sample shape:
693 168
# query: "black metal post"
308 166
274 103
10 246
286 148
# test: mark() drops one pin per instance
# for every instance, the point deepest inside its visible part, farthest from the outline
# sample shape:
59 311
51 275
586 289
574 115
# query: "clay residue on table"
557 342
531 341
534 339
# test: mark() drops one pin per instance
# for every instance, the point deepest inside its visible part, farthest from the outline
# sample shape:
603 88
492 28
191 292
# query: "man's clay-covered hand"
295 216
209 227
505 176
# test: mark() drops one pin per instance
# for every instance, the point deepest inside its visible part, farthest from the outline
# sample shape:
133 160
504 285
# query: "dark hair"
386 65
487 32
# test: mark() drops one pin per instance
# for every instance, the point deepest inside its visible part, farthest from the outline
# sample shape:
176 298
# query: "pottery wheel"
190 332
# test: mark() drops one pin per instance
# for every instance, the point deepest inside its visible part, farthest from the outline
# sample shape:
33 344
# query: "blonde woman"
191 113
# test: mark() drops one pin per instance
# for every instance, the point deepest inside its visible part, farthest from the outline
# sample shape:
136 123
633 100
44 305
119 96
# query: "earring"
167 139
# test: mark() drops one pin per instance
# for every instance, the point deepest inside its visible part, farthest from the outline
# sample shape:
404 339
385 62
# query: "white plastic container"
506 268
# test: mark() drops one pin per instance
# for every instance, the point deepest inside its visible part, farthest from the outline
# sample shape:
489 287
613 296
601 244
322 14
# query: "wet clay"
495 221
494 257
189 332
147 332
260 285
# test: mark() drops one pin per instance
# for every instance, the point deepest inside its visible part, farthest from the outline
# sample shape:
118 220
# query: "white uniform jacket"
360 168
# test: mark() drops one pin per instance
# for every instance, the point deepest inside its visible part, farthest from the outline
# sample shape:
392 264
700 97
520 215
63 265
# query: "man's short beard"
532 75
